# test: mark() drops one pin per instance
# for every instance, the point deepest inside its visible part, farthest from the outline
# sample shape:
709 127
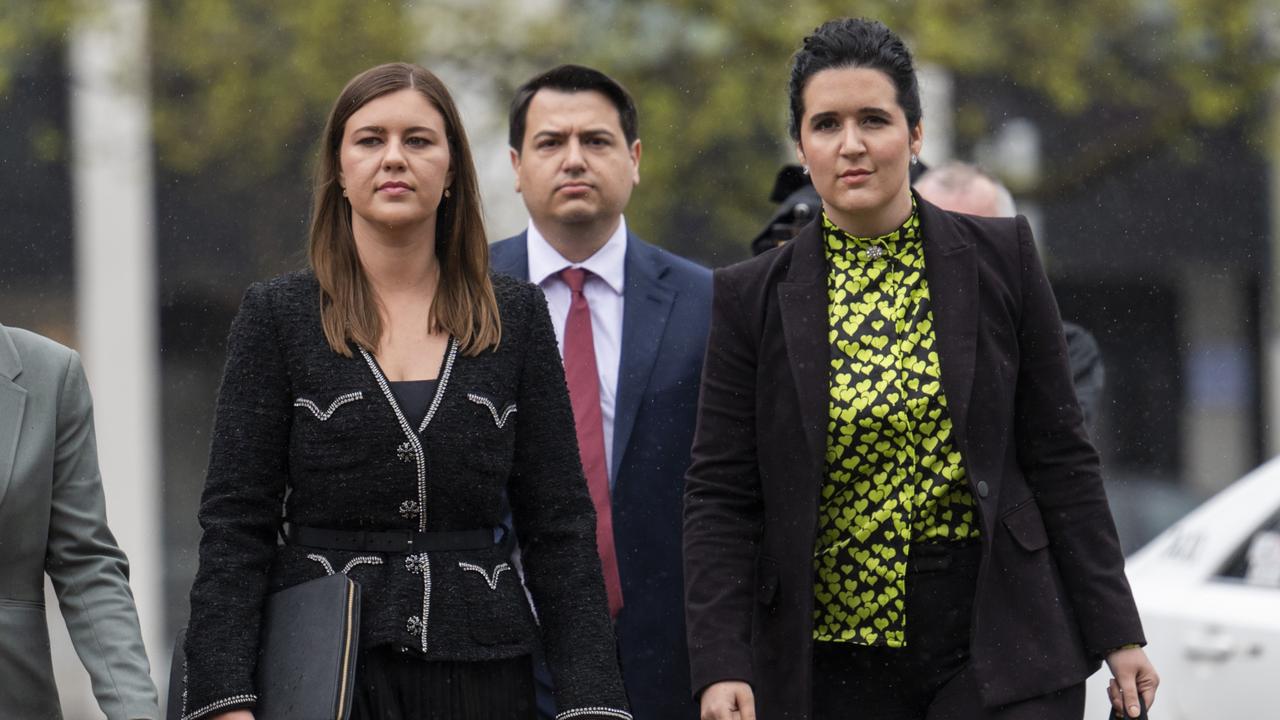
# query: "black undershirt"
414 398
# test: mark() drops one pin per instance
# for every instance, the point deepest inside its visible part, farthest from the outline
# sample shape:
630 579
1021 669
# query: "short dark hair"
572 78
854 42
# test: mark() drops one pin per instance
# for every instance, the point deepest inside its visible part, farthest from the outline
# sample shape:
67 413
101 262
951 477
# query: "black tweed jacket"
300 428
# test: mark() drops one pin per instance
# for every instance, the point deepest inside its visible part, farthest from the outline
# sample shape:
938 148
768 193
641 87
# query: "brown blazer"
1051 598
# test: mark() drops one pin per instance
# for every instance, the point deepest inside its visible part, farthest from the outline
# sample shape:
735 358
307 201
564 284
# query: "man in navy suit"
576 154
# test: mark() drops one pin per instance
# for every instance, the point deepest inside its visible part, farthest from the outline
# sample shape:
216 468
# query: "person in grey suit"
53 520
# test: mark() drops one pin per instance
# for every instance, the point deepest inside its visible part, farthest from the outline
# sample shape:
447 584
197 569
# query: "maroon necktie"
584 392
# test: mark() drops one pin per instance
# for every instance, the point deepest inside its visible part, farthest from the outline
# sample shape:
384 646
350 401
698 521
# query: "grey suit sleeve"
89 571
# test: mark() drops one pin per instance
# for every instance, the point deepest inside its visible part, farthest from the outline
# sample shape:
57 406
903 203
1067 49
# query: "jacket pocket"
330 431
499 412
323 414
491 591
22 604
1026 526
333 567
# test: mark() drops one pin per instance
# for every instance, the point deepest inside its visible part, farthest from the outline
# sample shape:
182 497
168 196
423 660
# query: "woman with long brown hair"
392 404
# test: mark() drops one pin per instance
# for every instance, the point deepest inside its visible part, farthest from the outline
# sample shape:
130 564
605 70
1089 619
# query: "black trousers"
396 685
930 678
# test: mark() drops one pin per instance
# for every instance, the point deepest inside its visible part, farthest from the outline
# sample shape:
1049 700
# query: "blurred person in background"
797 205
53 520
894 508
395 395
631 320
964 188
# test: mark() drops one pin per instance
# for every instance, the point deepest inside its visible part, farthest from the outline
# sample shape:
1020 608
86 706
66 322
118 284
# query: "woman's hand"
1132 674
234 715
728 700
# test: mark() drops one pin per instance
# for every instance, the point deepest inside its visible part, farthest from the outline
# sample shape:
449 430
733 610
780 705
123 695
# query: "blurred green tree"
242 85
248 82
710 77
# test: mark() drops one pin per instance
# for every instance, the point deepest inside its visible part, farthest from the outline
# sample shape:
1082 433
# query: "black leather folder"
306 656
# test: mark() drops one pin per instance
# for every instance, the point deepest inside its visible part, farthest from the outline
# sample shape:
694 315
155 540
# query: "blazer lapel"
802 303
511 256
951 266
646 308
13 401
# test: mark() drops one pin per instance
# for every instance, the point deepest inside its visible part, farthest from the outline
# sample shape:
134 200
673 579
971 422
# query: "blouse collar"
906 236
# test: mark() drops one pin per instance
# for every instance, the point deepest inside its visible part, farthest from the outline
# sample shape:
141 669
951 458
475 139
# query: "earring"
344 192
915 159
804 169
447 193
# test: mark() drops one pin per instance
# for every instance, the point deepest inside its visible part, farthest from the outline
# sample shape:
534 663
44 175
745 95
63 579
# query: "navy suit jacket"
666 317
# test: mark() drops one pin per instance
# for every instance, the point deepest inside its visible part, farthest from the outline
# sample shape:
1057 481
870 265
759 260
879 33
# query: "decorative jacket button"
982 488
404 451
409 509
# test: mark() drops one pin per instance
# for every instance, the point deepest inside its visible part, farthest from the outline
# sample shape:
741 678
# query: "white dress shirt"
603 290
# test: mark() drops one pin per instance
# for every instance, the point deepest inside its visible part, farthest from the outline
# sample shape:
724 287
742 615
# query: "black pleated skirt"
395 685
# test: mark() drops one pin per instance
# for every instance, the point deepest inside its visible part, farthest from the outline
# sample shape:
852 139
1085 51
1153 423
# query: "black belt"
392 541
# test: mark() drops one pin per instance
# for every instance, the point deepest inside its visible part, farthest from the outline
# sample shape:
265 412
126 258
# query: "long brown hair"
464 305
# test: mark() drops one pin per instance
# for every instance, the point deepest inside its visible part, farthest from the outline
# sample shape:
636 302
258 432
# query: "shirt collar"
608 263
906 236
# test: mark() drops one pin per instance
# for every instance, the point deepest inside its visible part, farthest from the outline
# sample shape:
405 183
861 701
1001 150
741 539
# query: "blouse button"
982 488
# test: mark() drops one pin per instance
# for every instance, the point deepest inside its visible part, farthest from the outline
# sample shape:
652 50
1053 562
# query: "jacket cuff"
235 702
594 712
1126 646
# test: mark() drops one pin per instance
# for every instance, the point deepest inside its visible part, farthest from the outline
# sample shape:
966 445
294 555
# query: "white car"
1208 589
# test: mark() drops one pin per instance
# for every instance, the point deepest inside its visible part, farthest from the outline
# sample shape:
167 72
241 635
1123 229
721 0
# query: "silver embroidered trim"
426 597
492 581
420 456
323 415
409 509
444 381
328 568
219 705
607 712
414 441
499 420
362 560
182 710
420 564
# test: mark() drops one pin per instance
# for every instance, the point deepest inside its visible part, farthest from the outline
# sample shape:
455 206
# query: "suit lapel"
802 303
511 256
951 266
646 308
12 404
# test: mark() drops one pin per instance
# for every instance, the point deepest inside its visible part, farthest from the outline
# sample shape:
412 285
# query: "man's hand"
728 700
1132 674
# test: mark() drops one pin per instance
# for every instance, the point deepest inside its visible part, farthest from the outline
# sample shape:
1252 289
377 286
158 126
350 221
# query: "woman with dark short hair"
894 510
397 395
